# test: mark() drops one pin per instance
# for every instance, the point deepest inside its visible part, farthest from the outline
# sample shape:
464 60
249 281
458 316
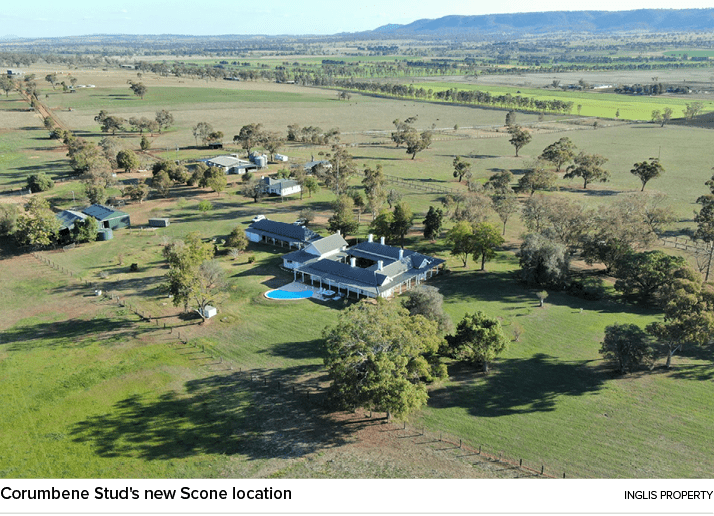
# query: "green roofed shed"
108 218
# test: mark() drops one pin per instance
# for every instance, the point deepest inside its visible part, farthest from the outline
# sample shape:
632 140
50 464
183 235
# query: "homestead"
281 187
368 269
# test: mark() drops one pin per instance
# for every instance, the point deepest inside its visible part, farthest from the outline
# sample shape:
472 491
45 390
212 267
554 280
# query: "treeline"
475 97
652 89
18 59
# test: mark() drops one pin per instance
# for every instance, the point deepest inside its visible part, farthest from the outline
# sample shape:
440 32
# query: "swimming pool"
286 294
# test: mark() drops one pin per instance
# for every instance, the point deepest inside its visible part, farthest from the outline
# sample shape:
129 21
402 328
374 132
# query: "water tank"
261 161
105 234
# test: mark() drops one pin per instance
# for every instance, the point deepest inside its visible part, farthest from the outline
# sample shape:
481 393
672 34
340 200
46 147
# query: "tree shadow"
518 386
308 349
144 286
72 333
601 193
702 370
221 414
461 285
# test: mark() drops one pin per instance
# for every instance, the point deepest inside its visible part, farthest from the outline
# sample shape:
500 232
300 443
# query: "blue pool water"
284 294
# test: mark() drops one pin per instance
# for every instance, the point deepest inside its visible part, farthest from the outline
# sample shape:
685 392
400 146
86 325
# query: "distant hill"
648 20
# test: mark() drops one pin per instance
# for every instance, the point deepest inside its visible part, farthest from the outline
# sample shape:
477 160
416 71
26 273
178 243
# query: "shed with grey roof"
68 218
230 164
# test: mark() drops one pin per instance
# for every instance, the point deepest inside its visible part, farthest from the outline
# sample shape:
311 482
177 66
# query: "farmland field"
604 105
88 379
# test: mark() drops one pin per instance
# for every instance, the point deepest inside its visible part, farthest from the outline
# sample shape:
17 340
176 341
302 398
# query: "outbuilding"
108 218
68 218
159 222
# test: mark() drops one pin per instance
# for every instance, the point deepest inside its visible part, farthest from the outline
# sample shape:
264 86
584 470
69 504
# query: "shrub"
627 347
40 182
544 262
57 133
205 206
85 231
134 267
8 219
251 259
237 239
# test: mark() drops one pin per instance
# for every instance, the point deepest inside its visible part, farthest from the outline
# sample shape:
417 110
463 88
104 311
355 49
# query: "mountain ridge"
646 20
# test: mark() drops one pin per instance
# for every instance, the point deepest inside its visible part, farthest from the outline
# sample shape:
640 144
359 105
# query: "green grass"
104 395
690 52
551 400
116 99
25 147
604 105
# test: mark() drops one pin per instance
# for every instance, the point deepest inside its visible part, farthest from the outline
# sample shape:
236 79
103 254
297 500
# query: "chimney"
353 262
370 238
380 264
338 231
381 240
401 254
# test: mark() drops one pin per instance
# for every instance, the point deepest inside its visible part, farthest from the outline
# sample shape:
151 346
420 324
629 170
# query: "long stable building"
280 233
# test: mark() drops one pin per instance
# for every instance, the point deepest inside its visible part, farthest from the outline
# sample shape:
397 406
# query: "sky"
53 18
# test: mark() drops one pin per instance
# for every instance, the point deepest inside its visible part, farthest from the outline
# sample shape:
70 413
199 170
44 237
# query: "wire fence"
311 391
420 184
97 289
686 244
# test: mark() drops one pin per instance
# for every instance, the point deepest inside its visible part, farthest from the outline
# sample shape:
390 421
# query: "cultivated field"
91 381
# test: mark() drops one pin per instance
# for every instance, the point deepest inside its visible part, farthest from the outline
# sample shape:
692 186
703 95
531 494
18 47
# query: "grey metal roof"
283 230
388 254
310 164
370 279
101 212
377 249
227 161
281 184
344 273
67 218
300 257
329 243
